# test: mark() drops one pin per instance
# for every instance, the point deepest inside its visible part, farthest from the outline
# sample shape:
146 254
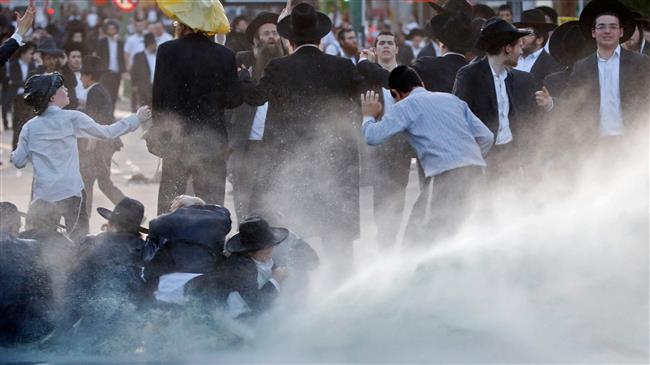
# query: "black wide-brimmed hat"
128 214
535 19
453 6
304 24
92 65
598 7
455 30
498 32
255 234
567 44
39 89
48 46
262 18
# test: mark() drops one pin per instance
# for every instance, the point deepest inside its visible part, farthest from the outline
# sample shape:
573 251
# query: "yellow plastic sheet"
204 15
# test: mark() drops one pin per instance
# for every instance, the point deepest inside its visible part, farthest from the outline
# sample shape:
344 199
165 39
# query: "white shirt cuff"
18 38
362 59
367 118
550 106
275 284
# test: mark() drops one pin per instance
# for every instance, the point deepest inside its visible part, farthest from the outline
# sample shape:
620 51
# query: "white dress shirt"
163 38
24 70
236 305
526 63
49 141
151 60
257 130
134 44
611 119
113 63
504 135
80 90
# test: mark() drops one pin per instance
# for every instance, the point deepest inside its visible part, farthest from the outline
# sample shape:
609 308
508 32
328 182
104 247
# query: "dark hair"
505 7
384 32
239 19
593 24
39 89
496 49
540 34
9 216
75 46
341 34
149 39
404 79
25 48
95 76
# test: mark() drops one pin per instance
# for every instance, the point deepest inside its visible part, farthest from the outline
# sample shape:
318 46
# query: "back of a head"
9 218
42 215
404 79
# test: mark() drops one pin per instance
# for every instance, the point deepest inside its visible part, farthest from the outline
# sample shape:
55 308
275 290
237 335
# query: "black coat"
195 81
102 51
439 73
7 49
15 77
238 273
544 66
474 84
25 292
311 136
241 118
99 107
580 101
556 82
141 77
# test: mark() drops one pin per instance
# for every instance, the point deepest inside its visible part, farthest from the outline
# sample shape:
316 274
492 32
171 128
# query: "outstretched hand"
24 23
143 113
370 105
543 98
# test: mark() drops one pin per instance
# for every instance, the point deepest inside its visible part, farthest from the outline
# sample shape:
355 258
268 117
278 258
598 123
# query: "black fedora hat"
535 19
262 18
255 234
598 7
567 45
304 24
482 11
498 32
48 46
92 65
453 6
128 213
455 30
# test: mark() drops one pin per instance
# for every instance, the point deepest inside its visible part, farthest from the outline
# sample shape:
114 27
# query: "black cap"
128 214
497 32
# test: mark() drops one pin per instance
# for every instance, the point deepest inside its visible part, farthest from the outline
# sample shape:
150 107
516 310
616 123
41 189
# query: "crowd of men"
300 121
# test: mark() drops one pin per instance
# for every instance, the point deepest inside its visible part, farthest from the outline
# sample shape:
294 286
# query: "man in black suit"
10 46
504 99
111 50
608 93
94 155
19 70
194 81
312 172
142 71
535 59
247 123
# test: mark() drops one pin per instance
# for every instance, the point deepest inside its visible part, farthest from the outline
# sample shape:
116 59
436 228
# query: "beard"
350 50
264 54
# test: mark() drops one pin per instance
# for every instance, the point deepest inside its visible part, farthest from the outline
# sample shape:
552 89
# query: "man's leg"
74 215
104 181
209 178
389 192
111 81
173 181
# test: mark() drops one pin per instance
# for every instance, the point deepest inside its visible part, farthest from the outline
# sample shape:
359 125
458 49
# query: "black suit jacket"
194 82
141 77
428 51
102 51
7 49
544 66
241 118
556 82
581 98
439 73
15 76
99 105
474 84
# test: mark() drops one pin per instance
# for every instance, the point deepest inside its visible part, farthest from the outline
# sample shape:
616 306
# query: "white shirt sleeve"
20 155
18 38
86 127
377 132
331 50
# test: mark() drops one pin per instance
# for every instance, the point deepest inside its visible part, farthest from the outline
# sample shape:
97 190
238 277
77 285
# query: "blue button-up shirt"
441 128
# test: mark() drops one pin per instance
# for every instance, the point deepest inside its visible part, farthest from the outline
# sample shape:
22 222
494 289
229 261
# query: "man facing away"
431 121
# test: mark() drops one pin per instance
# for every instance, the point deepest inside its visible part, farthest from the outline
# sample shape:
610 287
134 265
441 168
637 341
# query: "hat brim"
106 214
319 30
565 55
261 19
52 51
596 8
467 37
235 245
542 27
485 42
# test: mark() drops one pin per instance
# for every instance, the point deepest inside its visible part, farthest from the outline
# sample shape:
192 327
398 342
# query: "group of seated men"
56 291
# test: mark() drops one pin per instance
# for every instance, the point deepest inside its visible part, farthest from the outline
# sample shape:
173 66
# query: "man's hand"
280 273
24 23
143 113
370 105
369 54
543 98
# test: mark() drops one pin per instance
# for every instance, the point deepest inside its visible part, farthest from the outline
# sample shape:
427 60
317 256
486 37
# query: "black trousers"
207 171
443 205
22 114
96 166
73 211
243 165
111 81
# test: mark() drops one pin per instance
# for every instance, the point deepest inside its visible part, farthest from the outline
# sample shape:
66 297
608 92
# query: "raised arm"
377 132
87 127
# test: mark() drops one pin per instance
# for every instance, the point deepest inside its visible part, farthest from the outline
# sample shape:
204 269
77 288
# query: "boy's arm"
88 128
20 155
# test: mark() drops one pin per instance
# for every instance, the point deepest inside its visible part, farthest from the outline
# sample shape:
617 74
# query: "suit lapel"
510 91
626 74
488 80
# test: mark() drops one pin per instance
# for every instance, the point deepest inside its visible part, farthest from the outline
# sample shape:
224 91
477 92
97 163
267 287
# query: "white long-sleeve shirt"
49 141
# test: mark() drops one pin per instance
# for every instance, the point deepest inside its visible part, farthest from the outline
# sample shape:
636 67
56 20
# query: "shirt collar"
501 75
534 55
418 90
305 45
617 53
53 108
454 53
